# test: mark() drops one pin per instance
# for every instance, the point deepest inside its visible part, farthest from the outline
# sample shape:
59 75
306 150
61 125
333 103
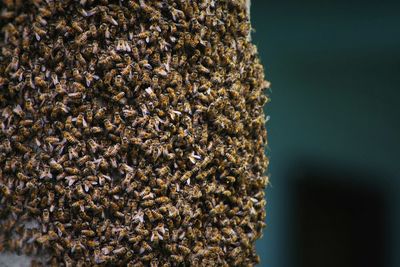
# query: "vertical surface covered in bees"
131 133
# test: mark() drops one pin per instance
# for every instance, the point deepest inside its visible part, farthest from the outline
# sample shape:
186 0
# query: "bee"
93 145
18 110
109 126
179 44
230 158
162 200
96 130
150 92
123 46
89 116
186 176
120 97
100 113
77 75
135 53
46 216
76 95
38 31
135 239
44 239
55 166
89 77
22 148
22 177
72 171
80 58
69 137
80 121
164 171
88 233
118 81
184 250
177 259
112 151
60 89
82 160
14 64
68 123
76 26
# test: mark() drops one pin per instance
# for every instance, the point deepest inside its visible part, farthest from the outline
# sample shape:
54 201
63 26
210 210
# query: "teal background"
334 68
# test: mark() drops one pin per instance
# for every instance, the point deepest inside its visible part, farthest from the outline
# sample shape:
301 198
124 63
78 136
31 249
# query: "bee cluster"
131 133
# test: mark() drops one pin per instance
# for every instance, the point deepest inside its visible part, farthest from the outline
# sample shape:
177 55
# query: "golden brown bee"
39 32
135 53
76 26
45 216
89 116
162 200
55 166
80 121
22 148
13 66
77 75
109 126
70 138
88 233
72 171
112 151
118 81
80 58
93 145
83 160
22 176
96 130
18 110
120 97
39 81
135 239
76 95
100 113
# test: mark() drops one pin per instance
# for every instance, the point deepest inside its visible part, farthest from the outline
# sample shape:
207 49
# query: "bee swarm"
131 133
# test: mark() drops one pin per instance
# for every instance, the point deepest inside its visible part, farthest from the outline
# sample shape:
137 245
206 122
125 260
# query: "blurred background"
334 133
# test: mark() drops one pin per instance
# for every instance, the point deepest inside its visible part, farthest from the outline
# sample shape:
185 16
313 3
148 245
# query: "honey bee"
22 148
18 110
177 258
76 95
82 160
89 116
96 130
76 26
135 239
93 145
60 89
100 113
77 75
14 64
72 171
135 53
38 31
120 97
80 121
55 166
69 137
45 216
22 177
88 233
112 151
109 126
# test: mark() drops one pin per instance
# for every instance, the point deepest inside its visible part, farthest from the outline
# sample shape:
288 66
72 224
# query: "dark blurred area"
334 131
